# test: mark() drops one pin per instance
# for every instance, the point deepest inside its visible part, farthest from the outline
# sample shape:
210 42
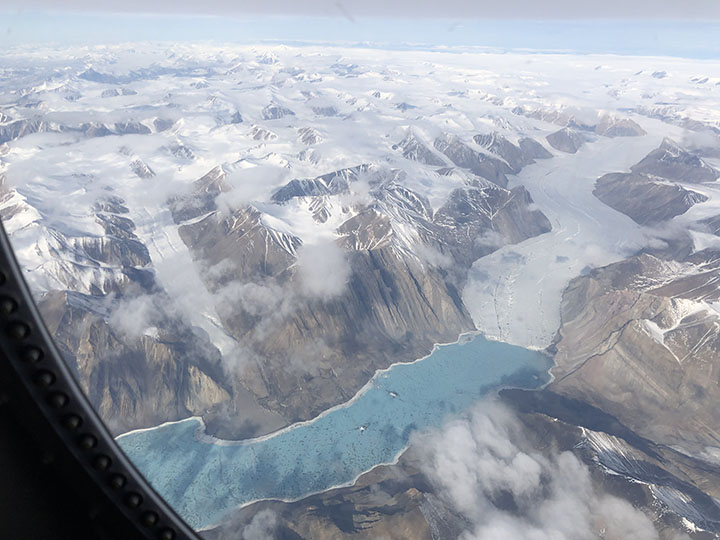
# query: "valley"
235 241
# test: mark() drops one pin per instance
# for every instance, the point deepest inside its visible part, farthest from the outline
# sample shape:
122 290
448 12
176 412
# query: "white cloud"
269 303
472 461
657 243
360 189
258 300
220 271
432 256
262 526
133 317
323 269
251 183
490 238
596 254
701 140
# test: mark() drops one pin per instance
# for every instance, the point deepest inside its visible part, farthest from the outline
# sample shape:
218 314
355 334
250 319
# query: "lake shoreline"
203 436
370 430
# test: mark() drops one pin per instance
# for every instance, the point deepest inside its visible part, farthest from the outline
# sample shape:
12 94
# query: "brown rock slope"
637 342
394 306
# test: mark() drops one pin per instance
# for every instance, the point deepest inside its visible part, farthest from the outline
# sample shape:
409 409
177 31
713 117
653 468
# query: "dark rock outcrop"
325 111
163 124
20 128
480 164
181 151
566 140
261 134
517 156
114 92
610 126
672 162
533 149
309 136
333 183
273 112
414 149
134 381
130 127
650 194
201 199
476 221
644 200
91 75
94 129
141 169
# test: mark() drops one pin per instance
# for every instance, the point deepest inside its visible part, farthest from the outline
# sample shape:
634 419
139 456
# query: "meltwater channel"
204 478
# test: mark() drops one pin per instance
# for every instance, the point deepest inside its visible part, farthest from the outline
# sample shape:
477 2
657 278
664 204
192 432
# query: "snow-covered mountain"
290 215
249 233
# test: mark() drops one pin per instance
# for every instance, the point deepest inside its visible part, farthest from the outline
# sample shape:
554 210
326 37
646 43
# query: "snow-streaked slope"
80 122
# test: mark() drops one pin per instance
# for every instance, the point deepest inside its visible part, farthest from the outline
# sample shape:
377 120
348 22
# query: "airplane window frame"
46 399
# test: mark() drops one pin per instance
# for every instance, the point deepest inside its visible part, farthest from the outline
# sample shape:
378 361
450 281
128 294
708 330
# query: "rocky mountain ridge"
659 187
400 297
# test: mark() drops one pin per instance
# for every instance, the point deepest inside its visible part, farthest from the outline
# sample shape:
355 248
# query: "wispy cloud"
483 467
135 316
323 269
262 526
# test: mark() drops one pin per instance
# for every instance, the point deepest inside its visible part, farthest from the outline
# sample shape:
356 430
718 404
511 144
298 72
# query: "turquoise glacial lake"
205 478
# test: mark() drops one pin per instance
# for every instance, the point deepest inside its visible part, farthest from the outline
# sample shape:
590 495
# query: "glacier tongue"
514 294
178 275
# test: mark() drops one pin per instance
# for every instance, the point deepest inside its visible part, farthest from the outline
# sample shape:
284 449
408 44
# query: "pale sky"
515 9
686 28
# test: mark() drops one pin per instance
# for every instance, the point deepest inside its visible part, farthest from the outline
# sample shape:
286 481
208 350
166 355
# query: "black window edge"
46 400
